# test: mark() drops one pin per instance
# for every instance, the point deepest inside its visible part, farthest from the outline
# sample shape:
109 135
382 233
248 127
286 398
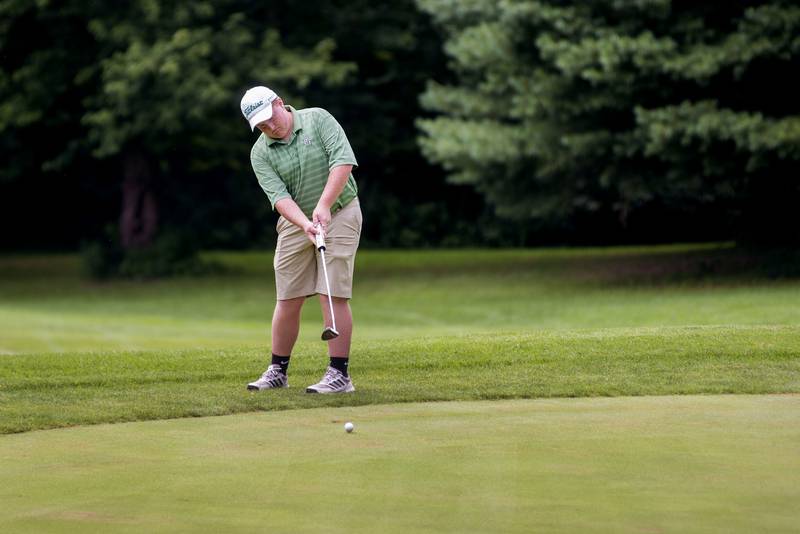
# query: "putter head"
329 333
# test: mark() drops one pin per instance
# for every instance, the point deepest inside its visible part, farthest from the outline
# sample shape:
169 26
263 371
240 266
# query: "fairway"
588 389
46 306
650 464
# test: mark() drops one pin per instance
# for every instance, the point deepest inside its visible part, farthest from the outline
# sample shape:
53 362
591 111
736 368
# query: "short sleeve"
268 179
334 140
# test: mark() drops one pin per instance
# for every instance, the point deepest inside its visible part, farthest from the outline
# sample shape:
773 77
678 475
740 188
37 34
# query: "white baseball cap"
257 105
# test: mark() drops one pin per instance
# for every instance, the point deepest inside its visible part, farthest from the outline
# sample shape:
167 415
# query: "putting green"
636 464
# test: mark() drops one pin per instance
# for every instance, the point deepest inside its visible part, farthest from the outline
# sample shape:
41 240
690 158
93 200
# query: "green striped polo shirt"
298 168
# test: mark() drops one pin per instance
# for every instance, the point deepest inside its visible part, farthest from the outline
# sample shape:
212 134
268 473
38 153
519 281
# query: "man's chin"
278 135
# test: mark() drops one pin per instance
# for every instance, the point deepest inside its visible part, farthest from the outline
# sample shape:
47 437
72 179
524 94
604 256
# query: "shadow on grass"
718 266
614 266
718 263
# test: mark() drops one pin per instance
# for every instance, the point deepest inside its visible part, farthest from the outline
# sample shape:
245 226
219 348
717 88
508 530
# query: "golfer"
303 162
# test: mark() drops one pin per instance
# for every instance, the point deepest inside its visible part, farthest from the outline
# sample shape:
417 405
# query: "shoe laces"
330 375
271 372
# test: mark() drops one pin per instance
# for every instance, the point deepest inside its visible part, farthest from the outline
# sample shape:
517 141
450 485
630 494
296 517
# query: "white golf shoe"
334 381
273 377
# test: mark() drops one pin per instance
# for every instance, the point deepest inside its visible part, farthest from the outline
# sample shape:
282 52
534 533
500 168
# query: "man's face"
280 124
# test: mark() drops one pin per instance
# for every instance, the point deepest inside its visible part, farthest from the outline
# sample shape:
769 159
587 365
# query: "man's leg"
338 347
286 325
342 241
337 377
285 328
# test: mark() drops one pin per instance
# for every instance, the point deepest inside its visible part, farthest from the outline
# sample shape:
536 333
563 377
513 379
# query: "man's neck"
291 125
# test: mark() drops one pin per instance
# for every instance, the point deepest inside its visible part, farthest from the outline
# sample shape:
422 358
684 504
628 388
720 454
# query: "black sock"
283 361
340 364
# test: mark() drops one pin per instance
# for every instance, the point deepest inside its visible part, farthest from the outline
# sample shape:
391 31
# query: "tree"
97 123
152 87
43 49
172 75
396 50
563 109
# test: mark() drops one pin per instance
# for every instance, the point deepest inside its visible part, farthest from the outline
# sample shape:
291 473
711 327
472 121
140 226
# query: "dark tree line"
563 112
476 123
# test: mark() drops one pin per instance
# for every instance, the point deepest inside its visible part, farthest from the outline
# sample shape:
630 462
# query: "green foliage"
580 115
173 253
186 69
41 85
160 79
562 108
396 50
101 259
163 79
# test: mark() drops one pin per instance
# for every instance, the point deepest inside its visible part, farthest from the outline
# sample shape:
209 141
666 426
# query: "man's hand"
292 213
322 217
337 179
311 231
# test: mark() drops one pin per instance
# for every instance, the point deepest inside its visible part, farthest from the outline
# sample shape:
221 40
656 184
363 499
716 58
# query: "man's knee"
290 305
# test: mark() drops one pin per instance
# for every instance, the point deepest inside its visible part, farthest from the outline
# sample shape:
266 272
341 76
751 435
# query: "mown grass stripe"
647 464
56 390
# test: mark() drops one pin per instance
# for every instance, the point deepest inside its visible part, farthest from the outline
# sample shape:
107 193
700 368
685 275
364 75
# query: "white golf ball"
348 427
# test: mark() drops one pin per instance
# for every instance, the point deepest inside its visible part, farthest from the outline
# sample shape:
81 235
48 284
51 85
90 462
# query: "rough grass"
45 305
448 325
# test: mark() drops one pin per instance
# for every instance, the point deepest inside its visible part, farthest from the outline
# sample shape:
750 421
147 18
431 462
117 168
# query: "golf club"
330 332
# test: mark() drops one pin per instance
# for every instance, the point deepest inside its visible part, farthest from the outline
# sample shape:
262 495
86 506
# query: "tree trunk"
139 218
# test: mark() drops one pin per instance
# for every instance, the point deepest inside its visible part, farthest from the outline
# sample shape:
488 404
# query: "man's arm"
337 179
292 212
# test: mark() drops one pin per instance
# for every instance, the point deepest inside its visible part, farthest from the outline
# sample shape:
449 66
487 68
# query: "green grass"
476 328
541 323
52 390
45 306
656 464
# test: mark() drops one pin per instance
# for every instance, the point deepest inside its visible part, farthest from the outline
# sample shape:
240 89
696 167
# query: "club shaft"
328 286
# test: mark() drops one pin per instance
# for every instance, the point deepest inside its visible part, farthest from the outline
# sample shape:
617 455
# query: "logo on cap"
248 111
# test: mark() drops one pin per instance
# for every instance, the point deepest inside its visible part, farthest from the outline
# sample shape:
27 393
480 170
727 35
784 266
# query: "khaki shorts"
298 266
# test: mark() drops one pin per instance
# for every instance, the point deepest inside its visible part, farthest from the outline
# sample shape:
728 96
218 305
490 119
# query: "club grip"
320 241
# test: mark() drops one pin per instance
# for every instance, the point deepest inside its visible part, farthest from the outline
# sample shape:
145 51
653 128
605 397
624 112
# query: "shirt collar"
297 125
